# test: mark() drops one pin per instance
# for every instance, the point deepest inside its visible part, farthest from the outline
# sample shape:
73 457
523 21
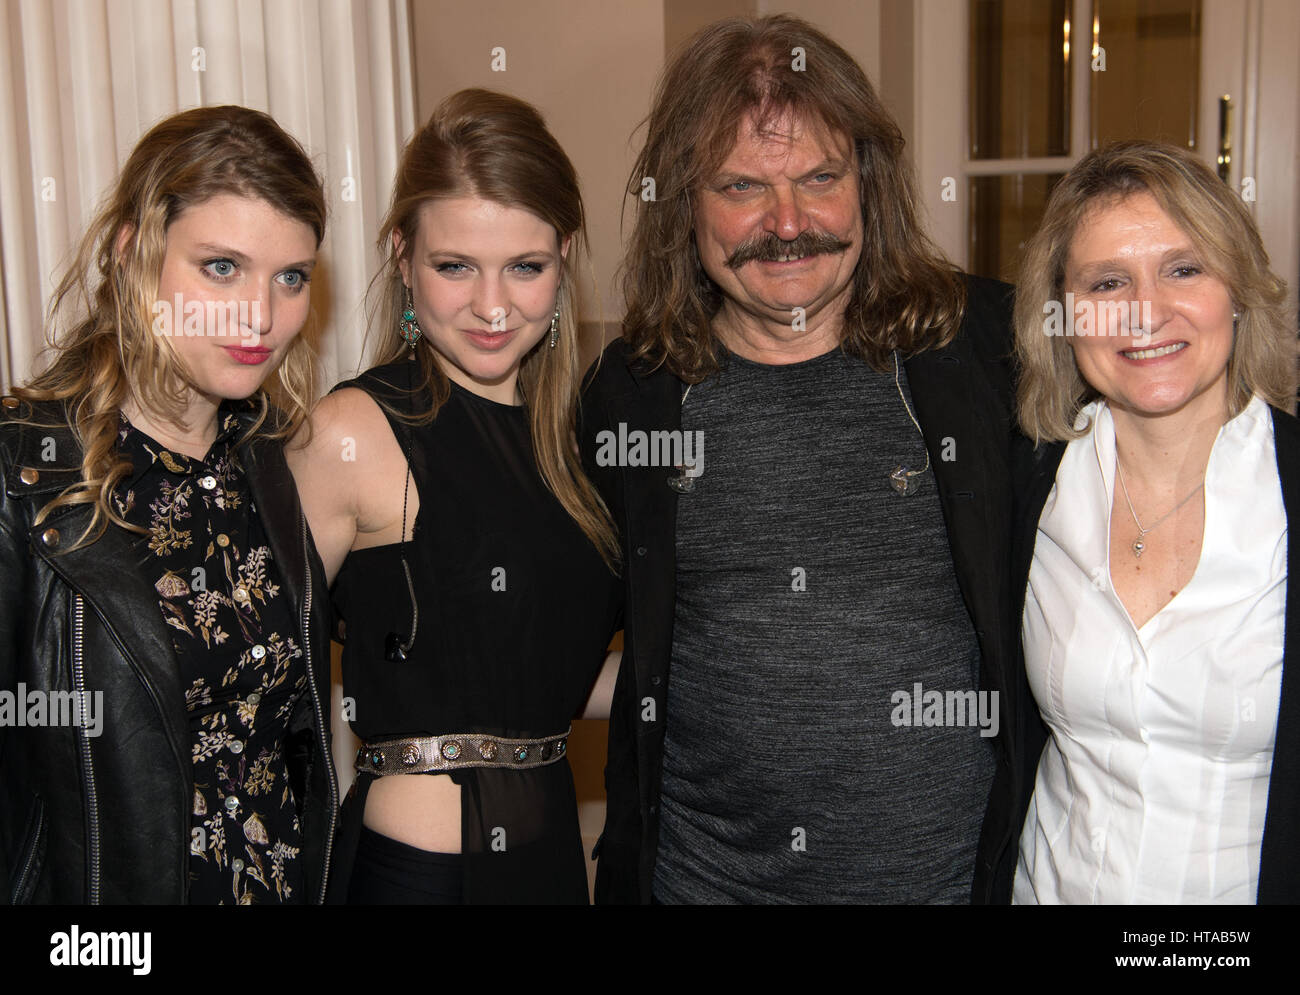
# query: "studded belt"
456 750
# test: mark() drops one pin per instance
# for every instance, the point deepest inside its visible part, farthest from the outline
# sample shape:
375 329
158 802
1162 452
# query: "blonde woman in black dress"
475 564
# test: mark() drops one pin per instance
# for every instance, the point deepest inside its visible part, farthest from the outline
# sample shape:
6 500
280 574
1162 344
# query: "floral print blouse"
236 643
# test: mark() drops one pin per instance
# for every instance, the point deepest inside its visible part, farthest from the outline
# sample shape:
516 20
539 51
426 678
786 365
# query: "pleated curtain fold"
82 80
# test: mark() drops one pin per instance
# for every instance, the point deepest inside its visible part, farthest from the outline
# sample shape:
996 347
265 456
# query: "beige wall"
853 24
682 18
587 65
590 67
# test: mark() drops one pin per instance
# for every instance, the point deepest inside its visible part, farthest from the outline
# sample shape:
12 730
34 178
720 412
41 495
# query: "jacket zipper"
322 716
79 688
21 884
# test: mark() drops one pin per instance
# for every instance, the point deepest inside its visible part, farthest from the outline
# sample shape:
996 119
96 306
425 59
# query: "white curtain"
82 80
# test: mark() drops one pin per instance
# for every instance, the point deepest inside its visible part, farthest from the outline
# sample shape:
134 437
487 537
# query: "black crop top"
516 608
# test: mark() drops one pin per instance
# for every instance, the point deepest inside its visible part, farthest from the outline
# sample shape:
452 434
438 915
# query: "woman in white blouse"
1158 370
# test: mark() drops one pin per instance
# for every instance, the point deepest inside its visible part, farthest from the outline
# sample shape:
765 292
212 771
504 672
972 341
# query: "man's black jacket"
962 392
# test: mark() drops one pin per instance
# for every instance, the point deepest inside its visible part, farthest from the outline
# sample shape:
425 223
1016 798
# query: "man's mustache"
768 248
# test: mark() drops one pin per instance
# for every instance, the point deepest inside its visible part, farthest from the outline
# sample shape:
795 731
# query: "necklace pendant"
1138 546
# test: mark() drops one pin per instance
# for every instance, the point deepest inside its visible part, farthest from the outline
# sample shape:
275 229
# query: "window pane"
1150 86
1005 211
1019 85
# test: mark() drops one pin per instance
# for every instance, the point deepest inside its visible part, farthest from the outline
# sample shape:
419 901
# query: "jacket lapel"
652 404
968 447
1280 852
110 574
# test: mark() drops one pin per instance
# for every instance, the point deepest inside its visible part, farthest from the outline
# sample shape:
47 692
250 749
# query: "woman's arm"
349 473
323 458
602 692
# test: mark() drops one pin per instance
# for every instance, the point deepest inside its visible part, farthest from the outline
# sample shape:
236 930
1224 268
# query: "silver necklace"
1138 545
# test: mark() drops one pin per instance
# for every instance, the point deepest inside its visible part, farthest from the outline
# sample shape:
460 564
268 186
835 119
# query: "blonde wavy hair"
1051 391
906 295
479 143
99 321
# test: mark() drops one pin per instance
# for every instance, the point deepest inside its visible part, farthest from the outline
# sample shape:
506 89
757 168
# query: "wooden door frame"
924 80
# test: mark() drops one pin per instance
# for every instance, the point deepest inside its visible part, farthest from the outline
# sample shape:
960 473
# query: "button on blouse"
240 664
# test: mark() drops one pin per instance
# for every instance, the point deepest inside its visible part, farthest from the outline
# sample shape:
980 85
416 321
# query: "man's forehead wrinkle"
780 127
787 126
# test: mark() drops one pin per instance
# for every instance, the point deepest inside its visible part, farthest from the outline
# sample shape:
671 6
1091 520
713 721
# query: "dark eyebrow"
726 179
211 248
449 256
1090 270
835 165
827 166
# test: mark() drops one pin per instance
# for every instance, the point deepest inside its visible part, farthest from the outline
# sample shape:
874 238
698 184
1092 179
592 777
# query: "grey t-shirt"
810 594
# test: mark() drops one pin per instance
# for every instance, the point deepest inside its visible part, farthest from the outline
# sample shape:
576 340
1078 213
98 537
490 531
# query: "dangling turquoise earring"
408 328
555 328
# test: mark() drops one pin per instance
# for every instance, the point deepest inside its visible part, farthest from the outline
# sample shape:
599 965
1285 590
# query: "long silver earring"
555 327
408 328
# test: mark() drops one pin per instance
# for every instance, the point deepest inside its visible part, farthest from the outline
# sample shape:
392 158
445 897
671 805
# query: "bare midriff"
420 810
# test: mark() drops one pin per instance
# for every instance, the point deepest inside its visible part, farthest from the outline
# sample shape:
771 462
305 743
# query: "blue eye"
295 279
740 186
450 267
529 269
220 269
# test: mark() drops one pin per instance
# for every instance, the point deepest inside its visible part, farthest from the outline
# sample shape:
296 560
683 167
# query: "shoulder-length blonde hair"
100 317
1263 360
906 296
483 144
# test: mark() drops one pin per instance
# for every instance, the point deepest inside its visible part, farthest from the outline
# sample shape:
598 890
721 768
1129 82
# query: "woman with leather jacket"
164 653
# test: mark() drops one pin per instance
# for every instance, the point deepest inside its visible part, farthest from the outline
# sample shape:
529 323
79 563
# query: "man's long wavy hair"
100 318
496 147
906 296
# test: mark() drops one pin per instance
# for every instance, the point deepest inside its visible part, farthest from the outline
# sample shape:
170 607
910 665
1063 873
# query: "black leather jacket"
106 819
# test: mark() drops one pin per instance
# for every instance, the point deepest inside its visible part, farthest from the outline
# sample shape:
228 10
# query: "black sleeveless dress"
516 609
